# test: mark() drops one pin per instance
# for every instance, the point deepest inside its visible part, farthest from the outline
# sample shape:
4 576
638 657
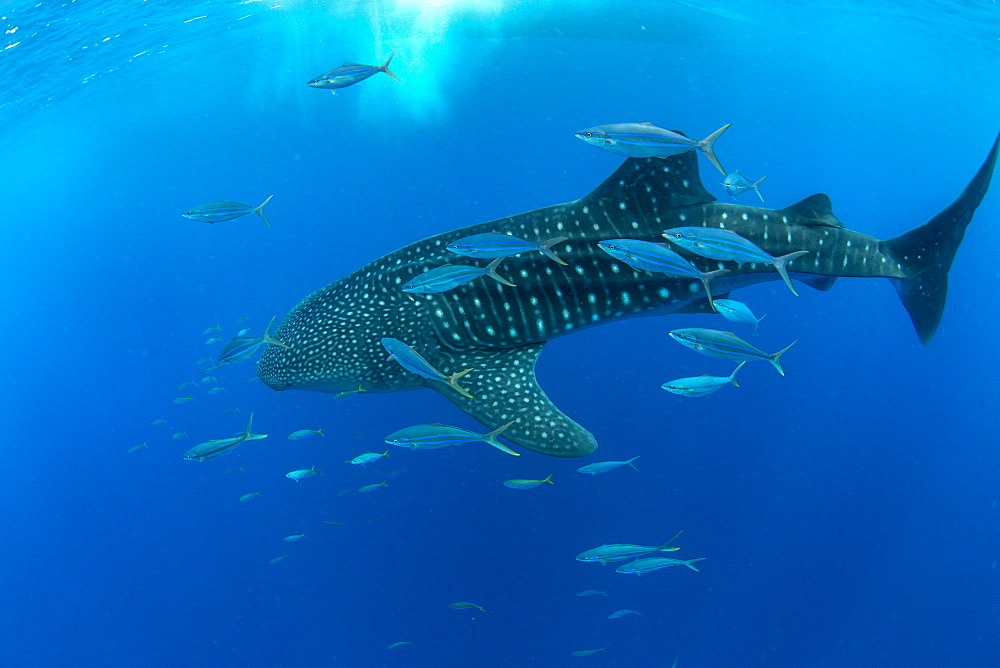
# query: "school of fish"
670 258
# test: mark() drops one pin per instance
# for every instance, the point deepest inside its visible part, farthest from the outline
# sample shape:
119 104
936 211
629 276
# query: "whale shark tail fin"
926 253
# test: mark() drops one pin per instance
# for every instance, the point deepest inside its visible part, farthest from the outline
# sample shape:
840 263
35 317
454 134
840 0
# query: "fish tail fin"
275 342
632 460
385 66
756 187
549 479
546 248
491 438
732 376
491 271
452 381
781 264
706 279
926 253
666 546
775 359
691 561
260 211
707 146
757 322
249 425
319 432
386 453
267 332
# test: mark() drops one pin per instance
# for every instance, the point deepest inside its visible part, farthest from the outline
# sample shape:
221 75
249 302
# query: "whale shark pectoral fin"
504 389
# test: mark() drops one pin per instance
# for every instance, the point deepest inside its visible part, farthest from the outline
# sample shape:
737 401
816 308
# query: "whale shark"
333 336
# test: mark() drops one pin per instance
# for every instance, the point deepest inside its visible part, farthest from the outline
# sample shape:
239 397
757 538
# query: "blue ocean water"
848 512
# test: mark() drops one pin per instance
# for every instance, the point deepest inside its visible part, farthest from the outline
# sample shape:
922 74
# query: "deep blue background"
848 511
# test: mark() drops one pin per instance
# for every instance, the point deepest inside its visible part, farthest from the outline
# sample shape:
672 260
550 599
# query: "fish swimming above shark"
499 331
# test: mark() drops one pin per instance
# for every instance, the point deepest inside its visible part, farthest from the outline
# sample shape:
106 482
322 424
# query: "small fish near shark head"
490 335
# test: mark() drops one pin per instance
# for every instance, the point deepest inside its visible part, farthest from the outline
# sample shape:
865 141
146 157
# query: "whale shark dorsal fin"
646 185
813 210
504 389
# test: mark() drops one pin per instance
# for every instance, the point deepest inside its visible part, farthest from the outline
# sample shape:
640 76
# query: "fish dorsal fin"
504 389
643 186
348 63
813 210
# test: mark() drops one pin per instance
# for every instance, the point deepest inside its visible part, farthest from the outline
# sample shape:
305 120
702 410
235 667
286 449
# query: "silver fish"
305 433
699 386
649 256
465 605
736 184
640 566
735 311
449 276
720 244
727 345
434 436
371 488
520 483
368 458
300 474
222 446
622 551
621 613
412 361
645 140
349 74
494 244
222 210
603 467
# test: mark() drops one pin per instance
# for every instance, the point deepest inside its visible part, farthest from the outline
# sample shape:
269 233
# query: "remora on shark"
334 334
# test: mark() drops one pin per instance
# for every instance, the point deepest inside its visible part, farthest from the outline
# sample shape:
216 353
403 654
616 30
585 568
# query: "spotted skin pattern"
334 334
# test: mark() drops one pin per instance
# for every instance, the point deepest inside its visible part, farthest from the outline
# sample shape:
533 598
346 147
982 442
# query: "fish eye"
589 134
